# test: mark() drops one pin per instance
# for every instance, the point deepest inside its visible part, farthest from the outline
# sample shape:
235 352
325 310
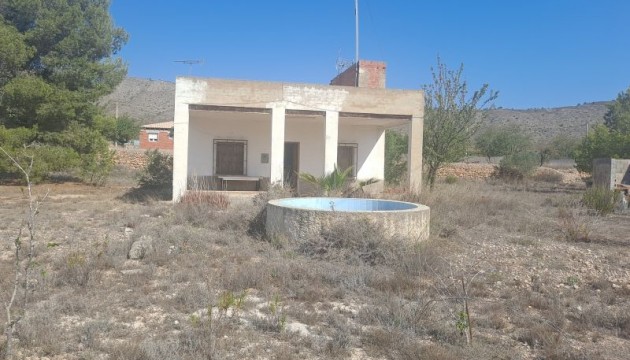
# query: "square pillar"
331 141
276 161
180 150
414 155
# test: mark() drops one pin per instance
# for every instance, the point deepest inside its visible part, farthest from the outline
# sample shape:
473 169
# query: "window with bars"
347 157
230 157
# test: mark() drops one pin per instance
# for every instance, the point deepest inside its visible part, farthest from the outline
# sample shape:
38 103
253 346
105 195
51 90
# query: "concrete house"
157 136
246 135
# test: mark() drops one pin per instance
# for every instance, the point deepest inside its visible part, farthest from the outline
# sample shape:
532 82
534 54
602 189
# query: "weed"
451 179
356 241
600 199
572 280
275 320
517 166
548 175
211 199
572 227
228 300
364 296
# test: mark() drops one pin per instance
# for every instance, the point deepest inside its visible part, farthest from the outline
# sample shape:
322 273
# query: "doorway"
291 163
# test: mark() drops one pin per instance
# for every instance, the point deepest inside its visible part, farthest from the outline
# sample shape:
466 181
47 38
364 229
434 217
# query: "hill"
547 123
152 101
149 101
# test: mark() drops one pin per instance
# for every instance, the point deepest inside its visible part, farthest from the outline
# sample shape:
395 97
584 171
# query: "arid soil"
543 278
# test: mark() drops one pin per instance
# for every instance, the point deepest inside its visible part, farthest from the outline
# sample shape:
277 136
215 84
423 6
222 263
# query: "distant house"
247 135
157 136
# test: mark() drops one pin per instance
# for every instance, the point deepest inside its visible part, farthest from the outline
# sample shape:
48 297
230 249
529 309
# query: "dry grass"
211 286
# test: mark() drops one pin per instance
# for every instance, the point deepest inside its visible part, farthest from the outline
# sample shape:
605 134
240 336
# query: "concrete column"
180 150
276 160
331 141
414 155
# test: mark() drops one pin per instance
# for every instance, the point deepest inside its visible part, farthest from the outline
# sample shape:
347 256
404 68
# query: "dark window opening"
347 157
230 157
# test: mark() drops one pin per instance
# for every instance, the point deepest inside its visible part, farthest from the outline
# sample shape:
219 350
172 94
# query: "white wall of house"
371 149
309 133
254 129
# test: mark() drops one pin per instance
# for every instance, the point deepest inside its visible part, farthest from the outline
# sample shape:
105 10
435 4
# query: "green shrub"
96 166
78 148
517 166
333 184
96 160
601 142
572 227
502 141
600 199
451 179
23 146
395 156
159 170
17 137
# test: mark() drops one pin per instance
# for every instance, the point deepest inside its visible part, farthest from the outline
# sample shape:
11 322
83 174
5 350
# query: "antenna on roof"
356 31
342 64
190 63
356 41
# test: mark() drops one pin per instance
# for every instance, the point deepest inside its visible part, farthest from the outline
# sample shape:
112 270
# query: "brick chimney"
371 75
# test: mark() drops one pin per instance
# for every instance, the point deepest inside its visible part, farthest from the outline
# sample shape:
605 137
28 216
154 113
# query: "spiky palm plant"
332 184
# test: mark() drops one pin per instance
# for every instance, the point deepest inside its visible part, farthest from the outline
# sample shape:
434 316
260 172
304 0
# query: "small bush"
571 227
451 179
214 200
600 199
517 166
96 166
46 160
96 159
159 170
548 175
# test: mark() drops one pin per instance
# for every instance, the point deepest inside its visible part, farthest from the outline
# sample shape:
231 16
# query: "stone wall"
130 158
609 172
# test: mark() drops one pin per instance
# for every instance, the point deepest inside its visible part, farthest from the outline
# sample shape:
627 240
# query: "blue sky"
537 53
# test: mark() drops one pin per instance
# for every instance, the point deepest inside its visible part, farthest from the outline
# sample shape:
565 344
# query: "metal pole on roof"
356 31
356 40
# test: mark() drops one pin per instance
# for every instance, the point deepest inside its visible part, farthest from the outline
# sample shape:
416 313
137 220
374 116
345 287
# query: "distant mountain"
152 101
547 123
149 101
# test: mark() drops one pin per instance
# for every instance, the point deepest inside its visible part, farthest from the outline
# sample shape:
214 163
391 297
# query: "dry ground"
210 287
